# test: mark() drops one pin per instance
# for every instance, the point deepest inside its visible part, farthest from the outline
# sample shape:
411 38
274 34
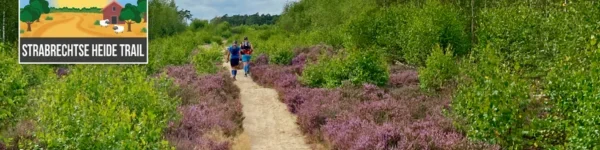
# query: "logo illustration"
83 32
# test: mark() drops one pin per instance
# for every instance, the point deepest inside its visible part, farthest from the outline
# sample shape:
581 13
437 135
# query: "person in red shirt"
246 55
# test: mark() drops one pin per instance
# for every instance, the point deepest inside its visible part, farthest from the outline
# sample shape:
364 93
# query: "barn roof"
114 1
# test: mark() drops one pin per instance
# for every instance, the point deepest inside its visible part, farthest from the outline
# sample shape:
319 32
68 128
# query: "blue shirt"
235 52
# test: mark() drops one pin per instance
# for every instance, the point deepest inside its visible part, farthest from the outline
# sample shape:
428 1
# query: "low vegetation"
211 110
82 10
364 116
457 74
120 108
504 74
181 99
440 68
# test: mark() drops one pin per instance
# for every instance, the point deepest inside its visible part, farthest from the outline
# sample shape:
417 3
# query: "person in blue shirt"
233 57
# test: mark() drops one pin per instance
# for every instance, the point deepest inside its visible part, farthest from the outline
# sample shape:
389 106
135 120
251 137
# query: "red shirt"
246 48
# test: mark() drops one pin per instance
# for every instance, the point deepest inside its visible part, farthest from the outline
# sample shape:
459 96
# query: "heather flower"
404 78
372 92
261 60
211 103
364 117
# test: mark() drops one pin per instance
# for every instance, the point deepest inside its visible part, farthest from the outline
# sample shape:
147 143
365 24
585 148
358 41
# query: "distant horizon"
209 9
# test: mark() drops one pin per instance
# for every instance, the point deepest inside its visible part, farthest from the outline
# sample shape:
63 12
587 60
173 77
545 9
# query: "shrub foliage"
119 108
358 67
439 69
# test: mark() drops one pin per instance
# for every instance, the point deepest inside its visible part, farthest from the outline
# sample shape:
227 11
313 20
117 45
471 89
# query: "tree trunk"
29 26
145 17
38 20
3 24
473 22
129 27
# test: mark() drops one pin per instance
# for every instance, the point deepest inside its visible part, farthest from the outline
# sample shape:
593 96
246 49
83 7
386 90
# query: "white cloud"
208 9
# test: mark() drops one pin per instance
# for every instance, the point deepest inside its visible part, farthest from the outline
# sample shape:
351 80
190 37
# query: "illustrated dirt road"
78 25
57 29
268 125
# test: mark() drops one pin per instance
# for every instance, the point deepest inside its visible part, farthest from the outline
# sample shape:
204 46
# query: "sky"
208 9
102 3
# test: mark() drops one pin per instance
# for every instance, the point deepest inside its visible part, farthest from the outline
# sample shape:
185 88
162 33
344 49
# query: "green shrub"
498 105
97 22
533 38
572 89
198 24
118 109
174 50
207 59
265 35
379 28
367 67
279 49
168 23
235 37
239 29
22 31
282 56
407 33
226 34
217 39
206 39
50 18
224 30
439 69
434 23
15 84
358 67
13 89
535 89
144 30
325 73
514 31
493 103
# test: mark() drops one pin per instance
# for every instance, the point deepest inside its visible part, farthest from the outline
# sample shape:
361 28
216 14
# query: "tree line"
255 19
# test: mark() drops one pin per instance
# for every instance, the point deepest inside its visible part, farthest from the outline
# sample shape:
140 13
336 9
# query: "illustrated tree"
29 14
41 5
141 4
130 14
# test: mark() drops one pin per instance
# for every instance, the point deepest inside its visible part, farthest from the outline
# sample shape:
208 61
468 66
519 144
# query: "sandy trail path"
58 29
48 26
268 125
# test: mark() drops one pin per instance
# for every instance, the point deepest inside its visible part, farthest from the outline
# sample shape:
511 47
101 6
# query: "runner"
233 57
246 51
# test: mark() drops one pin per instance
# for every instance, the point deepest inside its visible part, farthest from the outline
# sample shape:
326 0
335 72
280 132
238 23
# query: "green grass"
49 18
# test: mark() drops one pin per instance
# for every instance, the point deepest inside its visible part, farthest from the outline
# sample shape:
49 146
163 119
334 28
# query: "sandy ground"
77 25
268 125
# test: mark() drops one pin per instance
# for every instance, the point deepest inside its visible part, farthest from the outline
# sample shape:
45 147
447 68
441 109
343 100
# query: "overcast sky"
208 9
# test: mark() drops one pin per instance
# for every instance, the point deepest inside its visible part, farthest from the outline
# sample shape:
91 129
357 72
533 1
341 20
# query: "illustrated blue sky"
208 9
23 3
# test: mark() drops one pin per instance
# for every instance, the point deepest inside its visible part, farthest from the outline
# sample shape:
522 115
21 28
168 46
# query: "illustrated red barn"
112 12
